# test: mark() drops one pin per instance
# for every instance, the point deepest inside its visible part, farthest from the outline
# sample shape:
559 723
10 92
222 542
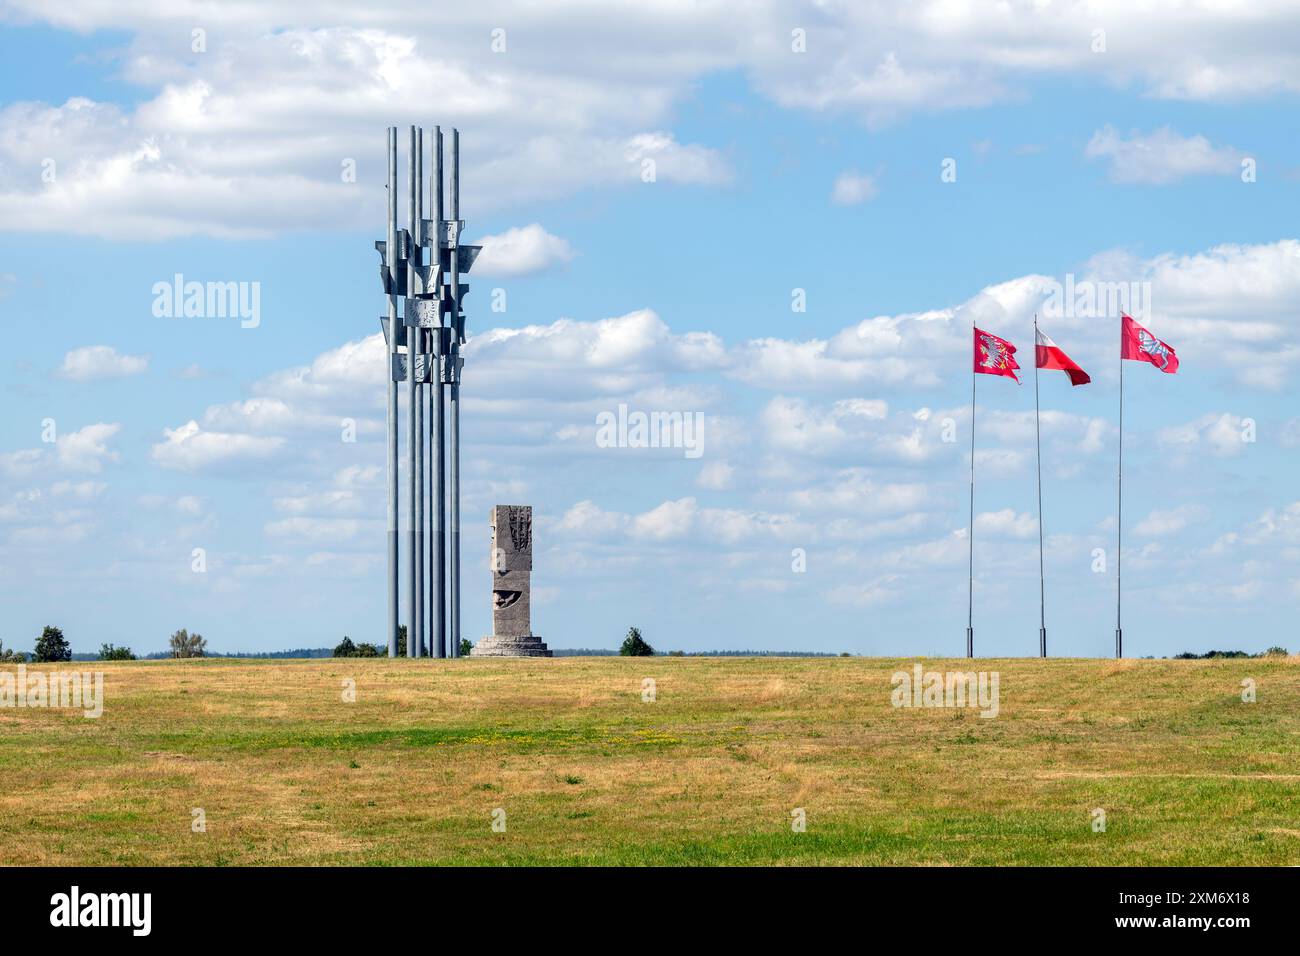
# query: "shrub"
11 657
107 652
634 645
345 648
51 646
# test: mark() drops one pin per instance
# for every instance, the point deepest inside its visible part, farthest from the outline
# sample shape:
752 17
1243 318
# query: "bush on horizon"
185 645
634 645
52 647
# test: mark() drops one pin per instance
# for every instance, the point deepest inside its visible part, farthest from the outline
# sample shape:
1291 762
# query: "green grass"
709 773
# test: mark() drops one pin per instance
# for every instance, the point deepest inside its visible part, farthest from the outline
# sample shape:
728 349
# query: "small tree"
107 652
634 645
51 646
345 648
185 644
465 647
11 657
401 640
368 650
1276 651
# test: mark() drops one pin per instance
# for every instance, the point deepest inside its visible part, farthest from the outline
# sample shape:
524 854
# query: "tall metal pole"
413 488
455 393
1119 516
1038 443
438 461
970 574
390 257
417 336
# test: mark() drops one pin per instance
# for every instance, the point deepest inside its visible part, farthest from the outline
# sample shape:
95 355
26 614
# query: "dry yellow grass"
285 771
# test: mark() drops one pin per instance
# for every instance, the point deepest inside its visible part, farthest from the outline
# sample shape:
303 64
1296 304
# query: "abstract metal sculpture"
431 331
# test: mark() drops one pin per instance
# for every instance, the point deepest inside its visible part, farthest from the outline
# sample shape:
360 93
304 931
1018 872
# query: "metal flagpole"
1119 513
416 334
1038 441
391 264
970 576
438 458
413 489
454 255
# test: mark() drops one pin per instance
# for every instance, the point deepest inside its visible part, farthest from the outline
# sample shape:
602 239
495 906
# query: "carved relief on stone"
512 567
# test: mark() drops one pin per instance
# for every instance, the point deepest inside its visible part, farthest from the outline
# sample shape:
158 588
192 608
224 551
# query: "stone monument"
512 569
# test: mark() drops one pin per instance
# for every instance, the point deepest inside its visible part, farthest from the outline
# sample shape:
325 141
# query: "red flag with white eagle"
995 355
1047 354
1138 344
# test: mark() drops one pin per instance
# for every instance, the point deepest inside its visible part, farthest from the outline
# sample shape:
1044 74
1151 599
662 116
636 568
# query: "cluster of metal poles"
431 328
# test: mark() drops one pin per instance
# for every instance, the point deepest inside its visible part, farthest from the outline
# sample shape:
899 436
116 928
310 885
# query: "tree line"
53 648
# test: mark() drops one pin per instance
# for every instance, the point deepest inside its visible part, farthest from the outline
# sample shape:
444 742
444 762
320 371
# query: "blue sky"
1167 163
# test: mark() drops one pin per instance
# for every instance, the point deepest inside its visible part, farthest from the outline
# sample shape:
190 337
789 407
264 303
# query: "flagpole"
1038 442
970 574
1119 513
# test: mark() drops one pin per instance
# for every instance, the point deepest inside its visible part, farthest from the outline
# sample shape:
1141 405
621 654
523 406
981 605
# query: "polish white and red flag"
1047 354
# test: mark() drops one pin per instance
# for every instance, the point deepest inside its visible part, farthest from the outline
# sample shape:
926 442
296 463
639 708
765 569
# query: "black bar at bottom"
332 905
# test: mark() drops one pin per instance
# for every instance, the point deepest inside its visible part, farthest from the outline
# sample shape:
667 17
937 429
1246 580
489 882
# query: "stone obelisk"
512 570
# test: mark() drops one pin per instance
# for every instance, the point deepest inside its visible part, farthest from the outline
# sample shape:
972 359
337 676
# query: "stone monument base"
525 645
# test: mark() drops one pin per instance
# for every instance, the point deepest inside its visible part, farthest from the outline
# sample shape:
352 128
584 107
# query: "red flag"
1140 345
994 356
1047 354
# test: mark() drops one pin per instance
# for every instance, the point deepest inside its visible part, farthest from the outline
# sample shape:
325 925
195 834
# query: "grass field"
285 771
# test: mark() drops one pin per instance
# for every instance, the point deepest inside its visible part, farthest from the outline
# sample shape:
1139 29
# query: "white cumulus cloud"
94 362
522 250
190 448
1161 157
853 188
87 448
1163 522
